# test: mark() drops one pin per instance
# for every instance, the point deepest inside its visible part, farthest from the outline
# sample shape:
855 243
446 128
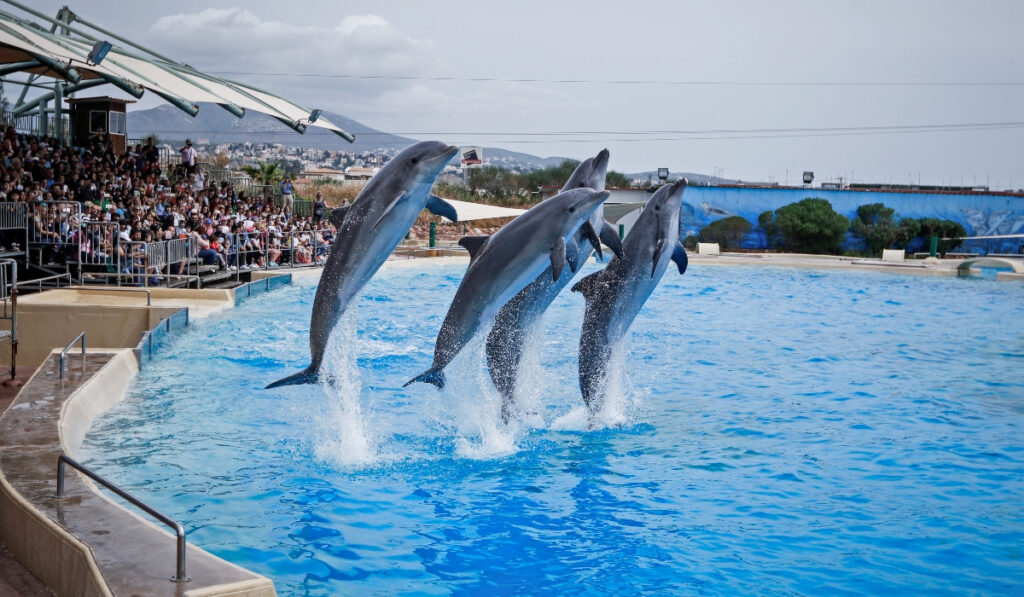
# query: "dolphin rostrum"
514 320
615 294
502 264
368 231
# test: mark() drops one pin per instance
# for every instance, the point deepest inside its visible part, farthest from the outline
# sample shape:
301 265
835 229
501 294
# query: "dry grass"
334 193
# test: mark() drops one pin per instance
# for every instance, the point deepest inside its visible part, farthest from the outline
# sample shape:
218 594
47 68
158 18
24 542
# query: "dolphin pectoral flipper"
440 207
679 256
391 206
572 255
338 216
591 234
306 376
657 255
589 285
473 244
431 376
558 258
611 239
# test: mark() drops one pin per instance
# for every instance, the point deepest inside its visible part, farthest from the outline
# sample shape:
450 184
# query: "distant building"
323 174
360 173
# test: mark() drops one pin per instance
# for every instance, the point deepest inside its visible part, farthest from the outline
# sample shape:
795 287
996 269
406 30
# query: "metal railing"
180 575
38 282
64 353
9 297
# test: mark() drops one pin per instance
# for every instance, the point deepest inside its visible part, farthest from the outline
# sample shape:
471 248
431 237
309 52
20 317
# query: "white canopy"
478 211
28 48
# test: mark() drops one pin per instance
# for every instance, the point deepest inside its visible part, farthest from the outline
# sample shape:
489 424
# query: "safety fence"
52 228
13 228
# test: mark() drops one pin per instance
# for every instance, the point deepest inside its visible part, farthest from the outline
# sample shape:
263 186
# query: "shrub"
876 227
727 232
808 226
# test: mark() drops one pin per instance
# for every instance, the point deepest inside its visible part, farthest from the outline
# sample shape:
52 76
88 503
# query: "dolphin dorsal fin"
440 207
611 239
338 216
589 285
390 206
679 256
473 244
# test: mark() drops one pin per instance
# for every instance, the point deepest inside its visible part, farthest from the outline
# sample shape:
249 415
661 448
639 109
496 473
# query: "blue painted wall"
981 214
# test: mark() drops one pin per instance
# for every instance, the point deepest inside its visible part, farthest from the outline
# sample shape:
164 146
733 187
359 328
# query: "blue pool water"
775 431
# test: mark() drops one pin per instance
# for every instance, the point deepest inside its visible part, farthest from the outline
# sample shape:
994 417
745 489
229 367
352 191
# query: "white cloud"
352 22
236 39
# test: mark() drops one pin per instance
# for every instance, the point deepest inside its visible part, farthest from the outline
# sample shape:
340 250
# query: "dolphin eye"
415 160
572 209
657 208
582 185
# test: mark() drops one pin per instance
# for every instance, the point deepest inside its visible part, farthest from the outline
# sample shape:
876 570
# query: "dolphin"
502 264
368 231
514 320
615 294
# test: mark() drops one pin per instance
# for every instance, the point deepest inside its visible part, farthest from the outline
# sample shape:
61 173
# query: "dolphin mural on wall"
368 231
514 320
615 294
503 264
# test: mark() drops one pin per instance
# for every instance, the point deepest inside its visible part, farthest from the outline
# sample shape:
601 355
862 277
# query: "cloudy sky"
749 89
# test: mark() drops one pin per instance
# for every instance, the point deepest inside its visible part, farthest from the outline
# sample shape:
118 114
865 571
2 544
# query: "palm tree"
268 173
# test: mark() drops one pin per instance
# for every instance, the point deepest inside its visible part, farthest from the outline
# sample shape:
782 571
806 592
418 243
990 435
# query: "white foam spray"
476 407
343 434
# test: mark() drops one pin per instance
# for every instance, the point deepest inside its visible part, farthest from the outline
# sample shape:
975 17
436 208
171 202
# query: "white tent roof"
478 211
23 41
613 212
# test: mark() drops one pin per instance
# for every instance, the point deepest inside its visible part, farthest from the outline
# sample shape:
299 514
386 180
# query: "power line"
694 83
665 135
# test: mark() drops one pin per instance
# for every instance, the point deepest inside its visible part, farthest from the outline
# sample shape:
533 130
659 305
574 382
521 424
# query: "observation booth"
92 115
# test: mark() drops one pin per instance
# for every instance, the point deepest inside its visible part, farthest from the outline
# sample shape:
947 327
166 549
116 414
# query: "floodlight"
314 115
98 52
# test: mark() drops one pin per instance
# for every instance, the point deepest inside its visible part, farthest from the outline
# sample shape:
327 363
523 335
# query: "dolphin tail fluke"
431 376
307 375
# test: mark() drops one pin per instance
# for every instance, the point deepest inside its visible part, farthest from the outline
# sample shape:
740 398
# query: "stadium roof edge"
64 51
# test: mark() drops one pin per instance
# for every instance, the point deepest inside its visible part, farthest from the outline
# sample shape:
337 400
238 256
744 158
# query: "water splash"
476 408
343 434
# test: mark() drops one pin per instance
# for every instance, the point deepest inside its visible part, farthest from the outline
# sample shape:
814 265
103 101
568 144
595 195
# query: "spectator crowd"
232 229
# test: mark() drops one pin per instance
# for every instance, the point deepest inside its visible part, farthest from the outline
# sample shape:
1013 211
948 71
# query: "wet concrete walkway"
134 557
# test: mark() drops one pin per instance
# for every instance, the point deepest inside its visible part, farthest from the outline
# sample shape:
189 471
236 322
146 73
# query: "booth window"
117 122
97 121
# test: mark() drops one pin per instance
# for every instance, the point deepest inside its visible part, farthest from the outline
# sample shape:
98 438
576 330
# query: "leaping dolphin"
502 264
368 231
615 294
514 320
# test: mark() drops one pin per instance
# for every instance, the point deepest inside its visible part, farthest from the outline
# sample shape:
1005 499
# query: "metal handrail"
149 295
64 353
38 282
180 575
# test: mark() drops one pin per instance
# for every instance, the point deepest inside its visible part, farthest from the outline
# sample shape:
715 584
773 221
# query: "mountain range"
217 125
220 126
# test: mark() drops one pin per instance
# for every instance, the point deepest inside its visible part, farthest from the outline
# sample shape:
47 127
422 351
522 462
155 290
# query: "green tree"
766 222
727 232
265 173
617 180
929 227
875 224
810 226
